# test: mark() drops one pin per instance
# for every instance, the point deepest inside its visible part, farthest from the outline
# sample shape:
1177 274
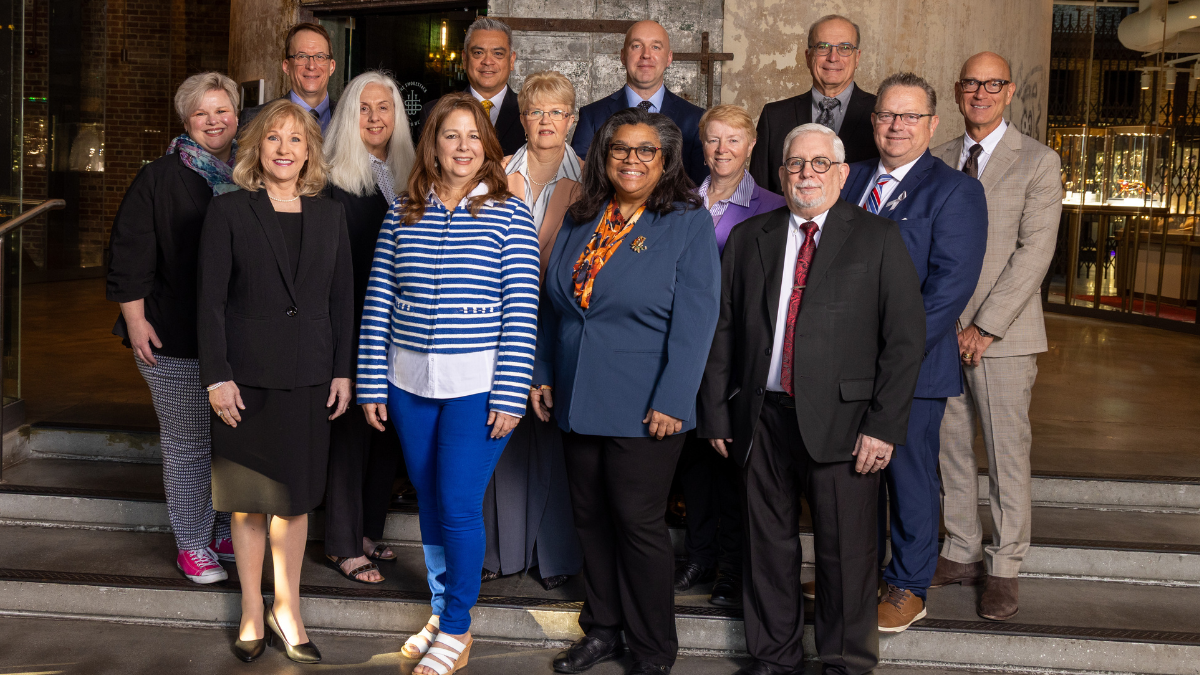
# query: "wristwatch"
984 333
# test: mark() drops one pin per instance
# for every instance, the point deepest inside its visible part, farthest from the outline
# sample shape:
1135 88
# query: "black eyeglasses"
843 49
301 57
818 164
556 115
990 86
908 118
644 152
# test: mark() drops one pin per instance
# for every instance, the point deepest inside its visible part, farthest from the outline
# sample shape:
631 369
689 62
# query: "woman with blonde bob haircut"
370 153
446 350
276 334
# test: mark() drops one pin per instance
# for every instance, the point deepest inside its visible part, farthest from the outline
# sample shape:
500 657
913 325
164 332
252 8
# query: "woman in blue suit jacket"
629 307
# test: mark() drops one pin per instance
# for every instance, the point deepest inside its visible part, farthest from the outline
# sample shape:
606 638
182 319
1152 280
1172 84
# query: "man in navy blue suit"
646 55
942 214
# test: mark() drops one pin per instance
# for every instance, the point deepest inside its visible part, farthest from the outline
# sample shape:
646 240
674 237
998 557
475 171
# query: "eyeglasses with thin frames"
971 85
301 57
644 152
556 115
843 49
909 119
818 164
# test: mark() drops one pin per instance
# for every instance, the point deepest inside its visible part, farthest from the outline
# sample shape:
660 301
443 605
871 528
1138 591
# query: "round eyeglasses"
644 152
990 86
818 164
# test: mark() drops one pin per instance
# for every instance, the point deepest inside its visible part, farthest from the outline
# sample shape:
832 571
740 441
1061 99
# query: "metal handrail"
11 225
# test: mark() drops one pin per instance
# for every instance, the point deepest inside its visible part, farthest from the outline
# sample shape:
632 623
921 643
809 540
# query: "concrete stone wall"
255 46
929 37
591 60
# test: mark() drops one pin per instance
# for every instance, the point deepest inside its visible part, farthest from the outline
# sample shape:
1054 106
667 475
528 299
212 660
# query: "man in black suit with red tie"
808 386
834 101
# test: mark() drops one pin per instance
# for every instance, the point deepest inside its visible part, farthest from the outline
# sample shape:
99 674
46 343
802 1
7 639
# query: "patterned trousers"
181 403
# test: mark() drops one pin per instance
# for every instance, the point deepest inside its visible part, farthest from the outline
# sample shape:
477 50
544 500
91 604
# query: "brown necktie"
487 107
971 168
803 260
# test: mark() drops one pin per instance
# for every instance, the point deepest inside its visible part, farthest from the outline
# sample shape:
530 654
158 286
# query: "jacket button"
759 391
768 350
291 311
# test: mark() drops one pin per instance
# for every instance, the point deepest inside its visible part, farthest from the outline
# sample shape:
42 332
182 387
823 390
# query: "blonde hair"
548 85
347 156
733 115
193 89
248 172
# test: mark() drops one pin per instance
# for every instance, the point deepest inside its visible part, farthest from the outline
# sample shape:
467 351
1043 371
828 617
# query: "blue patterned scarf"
218 174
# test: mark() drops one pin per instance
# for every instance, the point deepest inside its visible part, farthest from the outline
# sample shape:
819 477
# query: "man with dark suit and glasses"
488 58
808 387
646 56
308 62
834 101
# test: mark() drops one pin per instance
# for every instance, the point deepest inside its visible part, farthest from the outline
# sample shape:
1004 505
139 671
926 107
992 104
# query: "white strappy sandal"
445 661
416 645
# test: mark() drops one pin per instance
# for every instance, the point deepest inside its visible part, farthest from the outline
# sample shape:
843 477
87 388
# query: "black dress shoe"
248 650
302 653
647 668
551 583
587 652
690 574
727 592
760 668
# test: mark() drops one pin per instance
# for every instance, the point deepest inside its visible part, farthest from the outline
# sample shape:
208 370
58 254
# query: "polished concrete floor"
1110 399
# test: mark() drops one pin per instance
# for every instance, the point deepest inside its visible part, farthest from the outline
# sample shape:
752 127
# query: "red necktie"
807 249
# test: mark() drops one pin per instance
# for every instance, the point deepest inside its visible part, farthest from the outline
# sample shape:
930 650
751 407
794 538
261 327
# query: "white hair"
839 148
348 158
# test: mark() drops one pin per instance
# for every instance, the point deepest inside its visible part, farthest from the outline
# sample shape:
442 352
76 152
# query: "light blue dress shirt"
655 99
324 114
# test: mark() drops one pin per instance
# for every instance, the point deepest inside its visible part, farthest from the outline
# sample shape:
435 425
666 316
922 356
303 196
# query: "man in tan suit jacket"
1001 332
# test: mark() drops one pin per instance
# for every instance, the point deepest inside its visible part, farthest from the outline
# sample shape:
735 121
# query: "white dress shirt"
794 241
885 193
569 168
496 101
443 375
989 144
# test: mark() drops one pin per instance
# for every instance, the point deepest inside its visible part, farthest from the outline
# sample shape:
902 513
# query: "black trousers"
777 473
619 490
714 511
362 469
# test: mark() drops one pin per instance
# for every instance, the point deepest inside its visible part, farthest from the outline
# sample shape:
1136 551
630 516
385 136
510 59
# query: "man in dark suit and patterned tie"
834 101
646 56
808 386
488 58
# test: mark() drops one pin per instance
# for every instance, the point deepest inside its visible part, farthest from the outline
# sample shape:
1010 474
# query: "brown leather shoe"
950 572
809 590
899 609
999 601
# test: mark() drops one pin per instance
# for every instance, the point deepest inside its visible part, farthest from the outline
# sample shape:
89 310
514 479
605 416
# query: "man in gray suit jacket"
1001 332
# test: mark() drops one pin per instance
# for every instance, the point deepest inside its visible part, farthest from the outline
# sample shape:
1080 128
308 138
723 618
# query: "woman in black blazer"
369 155
152 274
276 324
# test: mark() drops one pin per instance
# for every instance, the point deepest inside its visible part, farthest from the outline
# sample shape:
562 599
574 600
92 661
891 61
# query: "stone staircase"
1111 582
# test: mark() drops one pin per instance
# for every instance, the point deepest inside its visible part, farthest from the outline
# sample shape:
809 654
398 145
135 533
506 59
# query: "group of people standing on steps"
816 309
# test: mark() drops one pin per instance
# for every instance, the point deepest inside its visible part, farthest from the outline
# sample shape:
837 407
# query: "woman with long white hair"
370 152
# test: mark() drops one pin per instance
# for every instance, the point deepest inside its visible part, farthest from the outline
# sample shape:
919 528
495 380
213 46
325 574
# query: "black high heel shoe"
305 653
248 650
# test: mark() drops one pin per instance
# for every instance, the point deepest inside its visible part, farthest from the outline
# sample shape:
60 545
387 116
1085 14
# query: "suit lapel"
772 247
261 206
833 236
914 178
804 107
1002 157
311 242
577 239
509 113
198 190
856 185
860 107
651 226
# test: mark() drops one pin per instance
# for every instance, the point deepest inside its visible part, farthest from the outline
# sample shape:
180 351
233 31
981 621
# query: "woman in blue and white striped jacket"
447 345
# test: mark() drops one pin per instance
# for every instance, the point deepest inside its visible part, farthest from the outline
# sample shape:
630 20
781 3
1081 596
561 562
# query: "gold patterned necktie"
487 107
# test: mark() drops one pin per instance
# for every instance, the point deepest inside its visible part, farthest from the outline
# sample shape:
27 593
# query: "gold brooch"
638 245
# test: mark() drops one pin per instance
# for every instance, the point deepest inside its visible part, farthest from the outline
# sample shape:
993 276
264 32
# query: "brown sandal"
336 563
377 554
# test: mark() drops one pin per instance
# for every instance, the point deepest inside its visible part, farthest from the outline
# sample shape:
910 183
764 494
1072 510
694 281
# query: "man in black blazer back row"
488 58
834 101
808 386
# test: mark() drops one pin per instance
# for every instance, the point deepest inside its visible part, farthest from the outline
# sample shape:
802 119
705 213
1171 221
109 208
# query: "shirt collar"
844 96
899 172
480 188
990 141
496 100
796 221
656 99
568 168
741 195
322 107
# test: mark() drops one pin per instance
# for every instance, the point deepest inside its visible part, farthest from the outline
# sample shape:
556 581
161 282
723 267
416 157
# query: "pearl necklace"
542 185
276 199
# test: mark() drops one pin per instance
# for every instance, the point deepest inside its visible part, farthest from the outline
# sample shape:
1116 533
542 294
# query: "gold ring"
967 355
221 414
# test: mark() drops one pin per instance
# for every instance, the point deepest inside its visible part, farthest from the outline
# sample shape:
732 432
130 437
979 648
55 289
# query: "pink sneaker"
223 549
200 567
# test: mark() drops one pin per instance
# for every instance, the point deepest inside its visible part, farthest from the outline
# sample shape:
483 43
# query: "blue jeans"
450 459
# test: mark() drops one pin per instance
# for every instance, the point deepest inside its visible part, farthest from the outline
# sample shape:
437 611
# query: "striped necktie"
877 192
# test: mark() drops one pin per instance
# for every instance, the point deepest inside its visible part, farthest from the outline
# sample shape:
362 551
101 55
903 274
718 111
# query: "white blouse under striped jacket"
451 307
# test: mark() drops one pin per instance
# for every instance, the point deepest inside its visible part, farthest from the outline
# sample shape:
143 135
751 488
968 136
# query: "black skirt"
275 460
